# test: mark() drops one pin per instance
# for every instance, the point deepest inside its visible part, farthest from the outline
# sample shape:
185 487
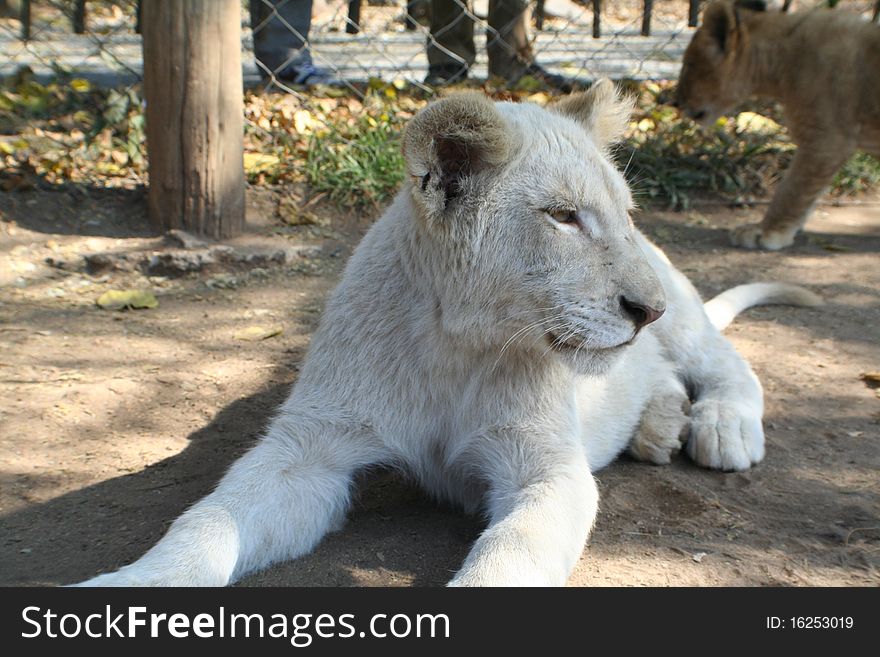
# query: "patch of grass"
356 163
342 146
860 174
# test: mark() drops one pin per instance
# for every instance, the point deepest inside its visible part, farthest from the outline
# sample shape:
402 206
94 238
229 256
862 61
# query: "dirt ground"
111 422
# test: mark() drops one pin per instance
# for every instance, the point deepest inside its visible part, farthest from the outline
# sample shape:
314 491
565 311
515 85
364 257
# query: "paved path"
116 58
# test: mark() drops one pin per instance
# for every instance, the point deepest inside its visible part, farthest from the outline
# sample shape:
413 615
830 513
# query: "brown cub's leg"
811 171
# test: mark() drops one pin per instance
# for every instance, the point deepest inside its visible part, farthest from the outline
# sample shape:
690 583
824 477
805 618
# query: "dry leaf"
540 98
871 379
122 299
304 122
751 122
259 163
257 333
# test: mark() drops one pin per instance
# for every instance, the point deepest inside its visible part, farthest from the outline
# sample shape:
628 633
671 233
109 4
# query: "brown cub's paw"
755 236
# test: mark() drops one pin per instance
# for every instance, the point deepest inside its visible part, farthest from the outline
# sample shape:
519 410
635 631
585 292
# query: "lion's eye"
564 216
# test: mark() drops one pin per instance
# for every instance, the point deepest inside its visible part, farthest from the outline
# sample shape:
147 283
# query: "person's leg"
507 44
281 32
451 50
507 40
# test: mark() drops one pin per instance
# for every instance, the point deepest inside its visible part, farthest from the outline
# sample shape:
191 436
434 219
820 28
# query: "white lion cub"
501 333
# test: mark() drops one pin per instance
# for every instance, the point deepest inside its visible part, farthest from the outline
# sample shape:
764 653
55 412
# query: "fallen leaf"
304 122
122 299
540 98
751 122
871 379
80 84
257 333
259 162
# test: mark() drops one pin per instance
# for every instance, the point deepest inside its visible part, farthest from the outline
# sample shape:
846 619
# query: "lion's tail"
727 305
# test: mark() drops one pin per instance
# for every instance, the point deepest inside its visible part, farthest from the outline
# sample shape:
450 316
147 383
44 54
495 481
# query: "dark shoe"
547 78
440 76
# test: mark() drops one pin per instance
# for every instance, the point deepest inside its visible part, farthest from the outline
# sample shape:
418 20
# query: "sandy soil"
111 423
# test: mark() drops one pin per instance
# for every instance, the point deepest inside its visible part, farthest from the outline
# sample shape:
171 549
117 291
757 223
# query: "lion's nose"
641 314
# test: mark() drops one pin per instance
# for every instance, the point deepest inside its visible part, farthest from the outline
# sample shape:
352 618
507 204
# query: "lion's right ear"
449 141
602 110
720 22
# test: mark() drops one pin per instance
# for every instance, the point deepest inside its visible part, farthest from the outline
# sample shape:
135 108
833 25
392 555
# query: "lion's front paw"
663 428
725 436
755 236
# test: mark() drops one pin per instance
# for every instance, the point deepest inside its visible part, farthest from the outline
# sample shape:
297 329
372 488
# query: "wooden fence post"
25 17
193 91
79 17
646 17
597 19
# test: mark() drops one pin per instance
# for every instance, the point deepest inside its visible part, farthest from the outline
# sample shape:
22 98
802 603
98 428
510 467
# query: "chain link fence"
95 40
349 42
353 42
396 41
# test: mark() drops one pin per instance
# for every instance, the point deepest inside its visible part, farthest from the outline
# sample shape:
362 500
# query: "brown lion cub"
822 65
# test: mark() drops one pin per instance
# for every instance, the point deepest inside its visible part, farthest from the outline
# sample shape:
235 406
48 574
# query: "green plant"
859 174
358 163
669 159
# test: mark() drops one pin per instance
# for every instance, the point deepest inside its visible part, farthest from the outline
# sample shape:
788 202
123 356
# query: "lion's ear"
603 111
450 140
720 23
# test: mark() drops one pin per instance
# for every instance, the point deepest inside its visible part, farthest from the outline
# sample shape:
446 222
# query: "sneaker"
304 75
440 76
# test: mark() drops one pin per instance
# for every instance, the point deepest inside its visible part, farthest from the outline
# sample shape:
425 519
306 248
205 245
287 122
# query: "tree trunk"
193 91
